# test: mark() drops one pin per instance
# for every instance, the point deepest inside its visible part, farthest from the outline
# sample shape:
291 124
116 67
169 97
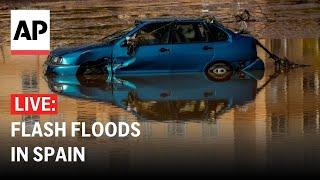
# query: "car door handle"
164 49
207 48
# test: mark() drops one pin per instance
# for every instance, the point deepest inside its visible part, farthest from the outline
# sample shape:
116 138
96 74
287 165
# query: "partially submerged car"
161 45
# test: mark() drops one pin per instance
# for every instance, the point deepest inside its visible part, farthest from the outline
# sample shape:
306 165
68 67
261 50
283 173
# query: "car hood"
85 47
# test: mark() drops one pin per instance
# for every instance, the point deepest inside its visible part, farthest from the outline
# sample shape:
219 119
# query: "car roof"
169 19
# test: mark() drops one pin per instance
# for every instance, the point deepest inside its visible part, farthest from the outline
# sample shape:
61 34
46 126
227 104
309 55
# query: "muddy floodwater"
188 123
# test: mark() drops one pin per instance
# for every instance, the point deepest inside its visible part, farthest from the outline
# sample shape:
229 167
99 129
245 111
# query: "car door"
191 48
221 43
153 51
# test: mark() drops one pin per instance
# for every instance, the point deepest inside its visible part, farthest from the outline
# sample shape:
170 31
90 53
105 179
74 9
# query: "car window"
217 34
189 33
117 35
155 33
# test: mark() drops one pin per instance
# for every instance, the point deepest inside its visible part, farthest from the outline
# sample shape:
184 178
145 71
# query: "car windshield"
117 35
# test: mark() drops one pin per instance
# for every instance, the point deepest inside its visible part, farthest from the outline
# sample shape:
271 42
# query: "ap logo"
30 32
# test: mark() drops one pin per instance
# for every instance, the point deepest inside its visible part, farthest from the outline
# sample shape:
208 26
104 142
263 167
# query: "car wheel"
219 71
89 72
89 69
93 81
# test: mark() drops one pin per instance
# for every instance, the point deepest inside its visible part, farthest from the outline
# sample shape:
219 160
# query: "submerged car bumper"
60 69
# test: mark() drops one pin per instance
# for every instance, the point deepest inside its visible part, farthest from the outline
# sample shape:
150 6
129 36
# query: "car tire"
219 71
92 81
89 69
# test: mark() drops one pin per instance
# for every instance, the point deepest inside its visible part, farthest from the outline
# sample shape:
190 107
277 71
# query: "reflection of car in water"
162 97
161 45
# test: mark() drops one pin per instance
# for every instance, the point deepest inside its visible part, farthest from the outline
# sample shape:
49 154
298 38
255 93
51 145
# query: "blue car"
161 45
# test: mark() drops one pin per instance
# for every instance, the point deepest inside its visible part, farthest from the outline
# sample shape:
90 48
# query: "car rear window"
217 34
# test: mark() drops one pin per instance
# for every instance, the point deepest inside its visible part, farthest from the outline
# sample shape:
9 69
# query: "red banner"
34 104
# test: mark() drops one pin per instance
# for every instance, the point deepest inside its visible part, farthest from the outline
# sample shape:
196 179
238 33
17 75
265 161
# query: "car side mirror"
129 40
131 43
125 42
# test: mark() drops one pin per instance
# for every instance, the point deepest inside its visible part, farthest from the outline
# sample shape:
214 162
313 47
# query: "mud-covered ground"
75 22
